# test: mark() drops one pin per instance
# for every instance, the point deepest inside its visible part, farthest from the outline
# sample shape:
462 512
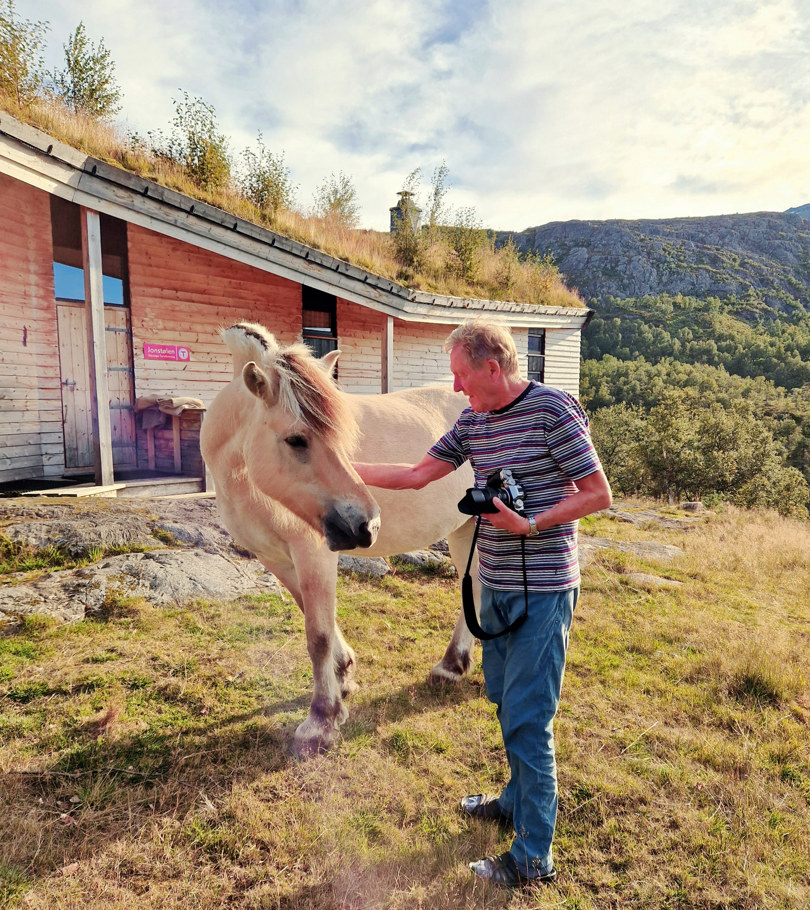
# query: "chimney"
405 208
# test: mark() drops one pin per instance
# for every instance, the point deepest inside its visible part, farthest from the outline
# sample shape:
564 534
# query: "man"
541 435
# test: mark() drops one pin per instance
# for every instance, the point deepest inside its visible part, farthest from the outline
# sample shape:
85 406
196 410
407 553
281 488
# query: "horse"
279 440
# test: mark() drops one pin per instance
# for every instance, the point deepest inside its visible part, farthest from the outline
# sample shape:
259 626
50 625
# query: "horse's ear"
260 384
329 362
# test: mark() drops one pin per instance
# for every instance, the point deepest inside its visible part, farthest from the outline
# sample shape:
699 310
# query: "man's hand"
592 495
506 519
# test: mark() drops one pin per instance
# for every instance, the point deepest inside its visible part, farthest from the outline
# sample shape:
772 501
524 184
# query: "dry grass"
145 763
371 250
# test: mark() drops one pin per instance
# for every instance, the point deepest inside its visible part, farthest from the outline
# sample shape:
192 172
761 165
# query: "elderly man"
528 564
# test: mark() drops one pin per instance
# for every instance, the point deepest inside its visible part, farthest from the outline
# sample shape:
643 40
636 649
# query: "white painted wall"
419 357
562 359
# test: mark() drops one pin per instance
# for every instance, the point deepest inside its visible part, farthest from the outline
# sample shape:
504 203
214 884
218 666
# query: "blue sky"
544 111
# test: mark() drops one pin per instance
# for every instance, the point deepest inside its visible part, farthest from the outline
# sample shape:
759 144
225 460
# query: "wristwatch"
533 531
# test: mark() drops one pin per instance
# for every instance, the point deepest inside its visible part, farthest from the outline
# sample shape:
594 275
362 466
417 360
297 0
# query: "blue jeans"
523 672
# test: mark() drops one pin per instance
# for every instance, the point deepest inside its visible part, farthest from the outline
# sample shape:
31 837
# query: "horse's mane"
305 389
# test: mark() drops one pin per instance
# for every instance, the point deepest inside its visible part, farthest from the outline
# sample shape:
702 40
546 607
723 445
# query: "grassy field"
145 763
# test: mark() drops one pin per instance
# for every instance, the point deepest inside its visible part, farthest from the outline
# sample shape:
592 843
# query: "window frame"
536 357
68 271
319 339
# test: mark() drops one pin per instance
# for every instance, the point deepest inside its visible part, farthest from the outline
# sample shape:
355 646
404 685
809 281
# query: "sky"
548 110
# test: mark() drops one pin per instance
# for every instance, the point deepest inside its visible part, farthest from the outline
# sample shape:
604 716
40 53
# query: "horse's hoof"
441 674
307 744
320 731
305 749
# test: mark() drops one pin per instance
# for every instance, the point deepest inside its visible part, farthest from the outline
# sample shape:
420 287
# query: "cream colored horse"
278 439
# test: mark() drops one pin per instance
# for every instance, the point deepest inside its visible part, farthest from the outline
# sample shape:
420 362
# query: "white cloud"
543 110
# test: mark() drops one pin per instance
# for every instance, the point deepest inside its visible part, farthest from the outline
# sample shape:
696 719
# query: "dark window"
319 321
68 274
537 354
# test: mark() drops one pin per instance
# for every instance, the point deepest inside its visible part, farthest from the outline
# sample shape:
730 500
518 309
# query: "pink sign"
165 352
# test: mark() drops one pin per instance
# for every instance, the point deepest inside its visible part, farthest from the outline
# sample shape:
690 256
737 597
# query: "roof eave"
37 158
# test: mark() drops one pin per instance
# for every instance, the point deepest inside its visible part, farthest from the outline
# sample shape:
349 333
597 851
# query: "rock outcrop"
764 253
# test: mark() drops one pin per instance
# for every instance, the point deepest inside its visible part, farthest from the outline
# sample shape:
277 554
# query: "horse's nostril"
364 537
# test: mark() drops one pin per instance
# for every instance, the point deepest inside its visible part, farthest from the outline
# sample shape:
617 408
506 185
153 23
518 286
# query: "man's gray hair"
481 339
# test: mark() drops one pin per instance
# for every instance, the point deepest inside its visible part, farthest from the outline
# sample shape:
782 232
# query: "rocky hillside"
762 258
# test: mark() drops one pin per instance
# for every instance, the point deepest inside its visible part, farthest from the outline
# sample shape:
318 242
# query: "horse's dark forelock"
248 330
309 393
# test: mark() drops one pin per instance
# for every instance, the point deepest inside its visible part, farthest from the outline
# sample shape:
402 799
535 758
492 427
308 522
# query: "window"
319 321
68 274
537 354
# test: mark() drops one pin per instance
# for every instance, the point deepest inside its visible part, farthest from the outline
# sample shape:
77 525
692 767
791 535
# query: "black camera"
500 485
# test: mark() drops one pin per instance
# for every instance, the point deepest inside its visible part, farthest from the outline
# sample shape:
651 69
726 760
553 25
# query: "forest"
701 399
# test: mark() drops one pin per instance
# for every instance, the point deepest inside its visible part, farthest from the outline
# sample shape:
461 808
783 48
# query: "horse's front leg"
332 659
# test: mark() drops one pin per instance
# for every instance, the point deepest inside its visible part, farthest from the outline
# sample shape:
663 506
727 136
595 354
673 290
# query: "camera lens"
480 497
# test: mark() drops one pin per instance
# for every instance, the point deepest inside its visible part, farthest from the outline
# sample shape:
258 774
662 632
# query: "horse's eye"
297 442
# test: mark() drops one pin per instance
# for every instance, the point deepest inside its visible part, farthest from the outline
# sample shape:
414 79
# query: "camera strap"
468 601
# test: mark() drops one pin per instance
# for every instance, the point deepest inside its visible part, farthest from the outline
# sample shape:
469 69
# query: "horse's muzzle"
348 529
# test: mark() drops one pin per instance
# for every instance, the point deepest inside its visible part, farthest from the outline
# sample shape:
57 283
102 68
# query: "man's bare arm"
593 494
404 476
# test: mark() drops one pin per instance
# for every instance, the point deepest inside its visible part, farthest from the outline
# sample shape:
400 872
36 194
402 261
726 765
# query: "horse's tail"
248 341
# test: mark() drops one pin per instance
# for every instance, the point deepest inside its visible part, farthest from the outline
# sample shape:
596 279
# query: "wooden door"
75 375
77 418
121 386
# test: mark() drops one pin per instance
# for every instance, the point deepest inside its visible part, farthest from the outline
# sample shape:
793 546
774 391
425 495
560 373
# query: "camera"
500 485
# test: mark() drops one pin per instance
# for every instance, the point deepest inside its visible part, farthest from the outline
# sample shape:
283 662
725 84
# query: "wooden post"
387 359
178 458
97 346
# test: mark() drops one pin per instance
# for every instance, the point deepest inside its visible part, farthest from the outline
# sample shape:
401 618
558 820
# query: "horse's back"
400 427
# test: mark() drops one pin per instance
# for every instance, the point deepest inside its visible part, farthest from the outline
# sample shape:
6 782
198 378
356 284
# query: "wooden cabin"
113 290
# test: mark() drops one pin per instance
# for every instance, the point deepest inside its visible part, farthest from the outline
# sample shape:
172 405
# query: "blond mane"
305 389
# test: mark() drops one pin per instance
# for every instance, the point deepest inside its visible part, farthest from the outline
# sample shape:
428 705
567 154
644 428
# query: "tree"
776 487
336 200
266 180
87 83
508 268
669 448
198 145
616 433
21 65
436 208
467 240
409 242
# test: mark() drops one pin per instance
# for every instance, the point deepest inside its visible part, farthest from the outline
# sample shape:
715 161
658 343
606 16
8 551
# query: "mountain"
761 259
803 210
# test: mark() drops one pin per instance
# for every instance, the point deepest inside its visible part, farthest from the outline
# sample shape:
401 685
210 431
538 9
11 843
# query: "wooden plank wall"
360 333
183 295
419 357
31 443
562 359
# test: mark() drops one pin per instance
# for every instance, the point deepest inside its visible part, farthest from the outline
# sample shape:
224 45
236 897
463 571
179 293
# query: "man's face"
477 383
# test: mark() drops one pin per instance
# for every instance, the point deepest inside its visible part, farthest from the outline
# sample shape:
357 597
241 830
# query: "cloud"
548 111
697 184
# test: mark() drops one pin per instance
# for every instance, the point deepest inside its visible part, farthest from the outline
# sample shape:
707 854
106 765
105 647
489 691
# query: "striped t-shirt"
542 436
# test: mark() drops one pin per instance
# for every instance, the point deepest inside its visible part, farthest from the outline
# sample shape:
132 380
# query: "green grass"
146 762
